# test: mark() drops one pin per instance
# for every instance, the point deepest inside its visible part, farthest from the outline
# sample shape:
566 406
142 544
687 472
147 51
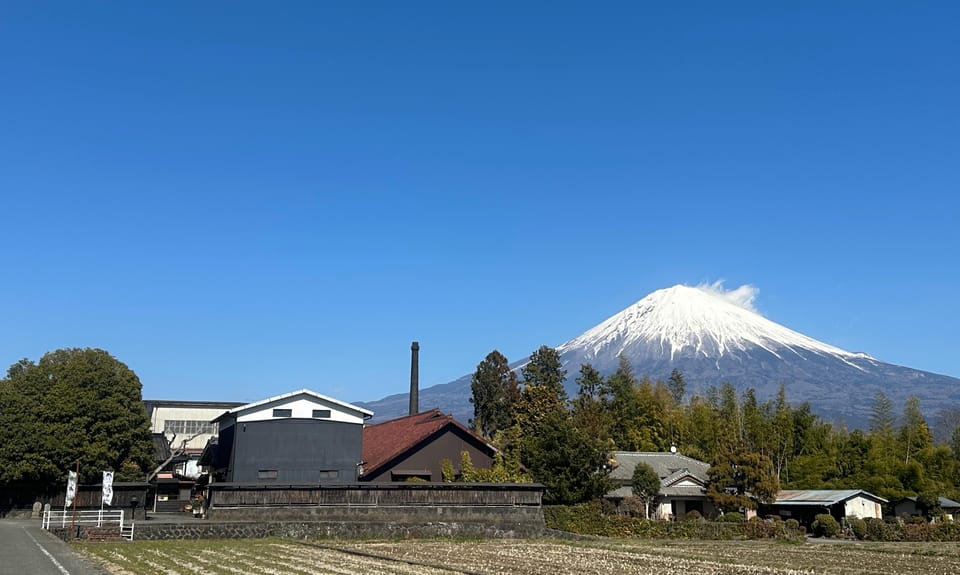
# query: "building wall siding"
448 445
297 449
862 507
302 408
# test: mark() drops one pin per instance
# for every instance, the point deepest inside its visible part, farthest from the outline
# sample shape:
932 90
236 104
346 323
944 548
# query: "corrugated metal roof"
944 502
820 496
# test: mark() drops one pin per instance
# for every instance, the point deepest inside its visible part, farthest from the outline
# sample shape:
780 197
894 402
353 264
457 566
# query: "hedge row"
871 529
588 519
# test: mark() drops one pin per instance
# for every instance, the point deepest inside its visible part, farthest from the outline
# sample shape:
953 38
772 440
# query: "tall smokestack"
414 378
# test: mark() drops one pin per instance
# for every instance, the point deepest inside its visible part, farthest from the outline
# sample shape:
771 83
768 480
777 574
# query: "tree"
624 407
495 390
545 368
782 436
572 466
741 478
915 436
74 404
929 505
591 413
677 386
881 414
645 486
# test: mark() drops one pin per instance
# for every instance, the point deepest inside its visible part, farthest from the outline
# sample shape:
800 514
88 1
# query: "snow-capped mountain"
715 336
693 322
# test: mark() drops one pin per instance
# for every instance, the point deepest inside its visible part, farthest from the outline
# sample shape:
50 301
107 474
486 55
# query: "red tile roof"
385 441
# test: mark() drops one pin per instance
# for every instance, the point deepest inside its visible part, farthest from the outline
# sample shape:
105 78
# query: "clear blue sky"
240 199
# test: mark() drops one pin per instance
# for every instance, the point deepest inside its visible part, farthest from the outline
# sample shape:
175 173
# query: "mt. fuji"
714 336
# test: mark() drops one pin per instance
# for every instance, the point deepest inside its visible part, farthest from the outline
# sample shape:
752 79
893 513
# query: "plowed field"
441 557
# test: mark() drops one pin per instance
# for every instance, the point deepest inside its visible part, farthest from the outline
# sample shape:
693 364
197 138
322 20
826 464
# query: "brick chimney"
414 378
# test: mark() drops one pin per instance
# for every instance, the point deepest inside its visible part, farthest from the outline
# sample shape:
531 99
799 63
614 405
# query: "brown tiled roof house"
413 447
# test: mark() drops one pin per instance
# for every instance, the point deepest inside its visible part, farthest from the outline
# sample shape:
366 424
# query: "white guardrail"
96 518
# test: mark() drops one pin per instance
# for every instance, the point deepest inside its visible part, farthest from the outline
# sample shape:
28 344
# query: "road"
26 549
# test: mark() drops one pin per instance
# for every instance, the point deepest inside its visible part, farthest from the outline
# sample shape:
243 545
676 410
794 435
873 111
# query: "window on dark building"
283 413
329 474
267 474
321 413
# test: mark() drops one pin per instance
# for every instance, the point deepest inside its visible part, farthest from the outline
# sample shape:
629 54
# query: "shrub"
759 529
587 519
693 515
732 517
883 529
824 525
946 531
858 526
793 530
633 507
916 532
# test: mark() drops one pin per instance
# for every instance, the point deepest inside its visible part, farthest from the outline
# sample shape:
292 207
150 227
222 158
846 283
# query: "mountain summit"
694 322
715 336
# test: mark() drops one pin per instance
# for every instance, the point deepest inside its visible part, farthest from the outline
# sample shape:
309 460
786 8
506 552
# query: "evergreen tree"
677 385
74 404
624 407
572 466
882 418
591 409
645 485
495 391
741 478
545 368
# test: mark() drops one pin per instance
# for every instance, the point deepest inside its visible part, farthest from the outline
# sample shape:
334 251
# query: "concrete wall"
332 529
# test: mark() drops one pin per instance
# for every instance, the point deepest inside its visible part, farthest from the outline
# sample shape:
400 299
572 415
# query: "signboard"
71 488
107 487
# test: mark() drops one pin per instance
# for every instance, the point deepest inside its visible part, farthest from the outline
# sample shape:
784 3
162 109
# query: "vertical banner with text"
107 487
71 488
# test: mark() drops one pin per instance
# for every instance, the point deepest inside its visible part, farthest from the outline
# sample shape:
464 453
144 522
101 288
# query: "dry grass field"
489 557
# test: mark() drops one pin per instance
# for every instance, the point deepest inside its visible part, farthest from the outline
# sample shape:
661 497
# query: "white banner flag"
71 488
107 487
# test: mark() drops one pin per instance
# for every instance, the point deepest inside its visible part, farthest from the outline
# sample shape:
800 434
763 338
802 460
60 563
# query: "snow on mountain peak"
703 321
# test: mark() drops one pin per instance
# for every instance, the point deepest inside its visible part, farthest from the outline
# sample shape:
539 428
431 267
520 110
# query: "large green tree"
495 390
741 478
571 464
73 405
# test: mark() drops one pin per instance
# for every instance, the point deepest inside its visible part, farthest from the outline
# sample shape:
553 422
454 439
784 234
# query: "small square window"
283 413
329 474
321 413
267 474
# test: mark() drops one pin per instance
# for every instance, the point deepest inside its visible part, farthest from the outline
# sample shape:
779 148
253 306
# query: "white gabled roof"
365 413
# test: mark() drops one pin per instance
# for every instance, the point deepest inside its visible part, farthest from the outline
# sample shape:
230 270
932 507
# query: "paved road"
26 549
